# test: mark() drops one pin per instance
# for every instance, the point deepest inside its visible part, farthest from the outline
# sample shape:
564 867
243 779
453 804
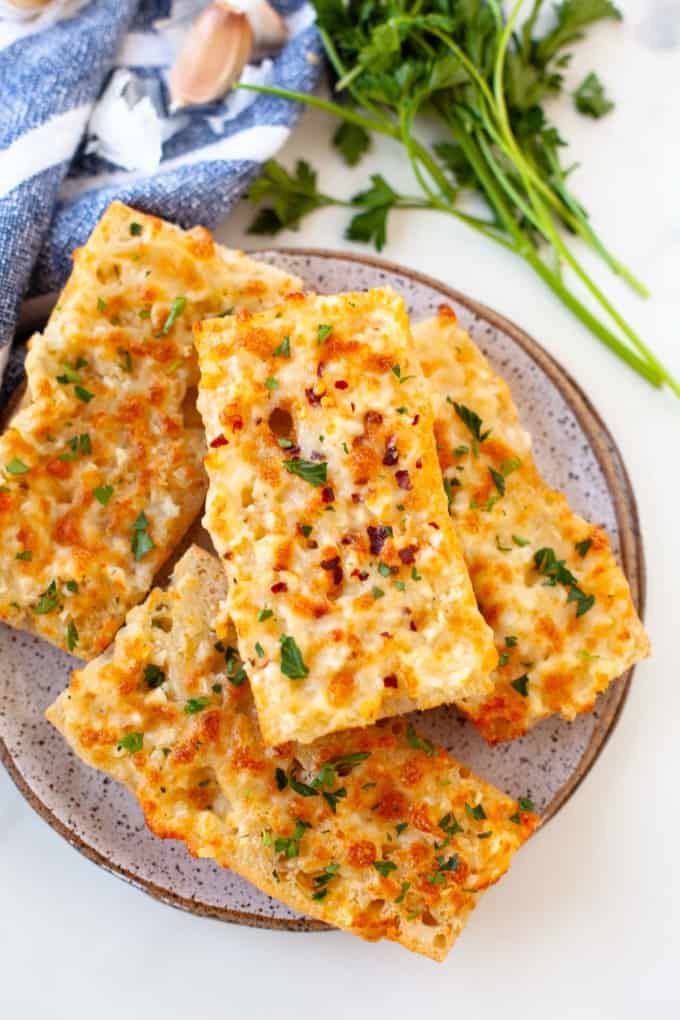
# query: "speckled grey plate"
577 455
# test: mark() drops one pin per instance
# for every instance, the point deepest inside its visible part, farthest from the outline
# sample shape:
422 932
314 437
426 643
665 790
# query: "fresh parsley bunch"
482 79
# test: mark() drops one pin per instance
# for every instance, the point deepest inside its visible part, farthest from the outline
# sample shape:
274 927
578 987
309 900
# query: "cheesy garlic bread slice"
102 465
374 830
545 579
347 585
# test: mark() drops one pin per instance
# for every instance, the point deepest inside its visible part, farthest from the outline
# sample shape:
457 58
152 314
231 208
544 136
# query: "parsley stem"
345 112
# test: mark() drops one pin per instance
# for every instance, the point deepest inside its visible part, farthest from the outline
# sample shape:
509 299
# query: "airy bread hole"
440 941
162 622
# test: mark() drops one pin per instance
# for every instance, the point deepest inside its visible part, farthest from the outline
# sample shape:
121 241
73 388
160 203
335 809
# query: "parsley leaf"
323 330
352 141
131 742
176 309
194 705
477 812
142 543
71 635
471 421
376 202
590 98
293 196
521 685
48 601
103 494
135 229
582 548
384 867
311 471
292 663
283 350
419 743
16 467
153 676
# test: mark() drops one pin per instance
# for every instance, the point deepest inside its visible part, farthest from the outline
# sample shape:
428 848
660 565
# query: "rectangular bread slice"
101 469
545 579
327 508
374 830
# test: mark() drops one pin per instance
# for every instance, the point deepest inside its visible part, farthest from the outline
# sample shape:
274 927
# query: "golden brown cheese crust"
375 830
106 432
326 504
545 579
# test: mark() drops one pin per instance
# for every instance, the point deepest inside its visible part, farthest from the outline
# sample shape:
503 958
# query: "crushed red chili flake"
419 462
357 497
320 368
412 625
219 441
385 634
277 588
433 525
346 540
403 480
327 494
341 384
361 574
377 537
390 681
312 398
236 424
391 453
408 554
416 419
333 565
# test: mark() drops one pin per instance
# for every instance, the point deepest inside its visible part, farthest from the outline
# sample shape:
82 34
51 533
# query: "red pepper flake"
219 441
446 312
361 574
346 540
390 681
403 480
386 634
408 554
412 625
357 497
419 463
373 419
236 423
433 525
278 587
327 494
312 397
333 565
416 419
320 368
391 453
341 384
377 538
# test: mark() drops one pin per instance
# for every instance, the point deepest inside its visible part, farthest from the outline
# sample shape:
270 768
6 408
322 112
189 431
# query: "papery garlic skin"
212 57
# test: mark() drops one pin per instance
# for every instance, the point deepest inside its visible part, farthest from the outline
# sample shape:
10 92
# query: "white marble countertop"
586 924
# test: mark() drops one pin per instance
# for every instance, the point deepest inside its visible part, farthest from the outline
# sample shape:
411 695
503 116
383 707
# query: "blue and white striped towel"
52 191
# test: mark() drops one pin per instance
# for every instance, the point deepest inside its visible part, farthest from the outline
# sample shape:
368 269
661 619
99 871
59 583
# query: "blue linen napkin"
53 188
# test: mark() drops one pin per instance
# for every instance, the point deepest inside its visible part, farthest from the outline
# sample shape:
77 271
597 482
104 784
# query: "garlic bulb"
29 5
214 53
269 28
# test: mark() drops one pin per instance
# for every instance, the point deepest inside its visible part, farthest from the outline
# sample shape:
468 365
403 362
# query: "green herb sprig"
482 80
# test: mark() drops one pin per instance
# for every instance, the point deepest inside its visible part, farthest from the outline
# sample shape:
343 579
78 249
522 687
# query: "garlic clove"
215 51
269 28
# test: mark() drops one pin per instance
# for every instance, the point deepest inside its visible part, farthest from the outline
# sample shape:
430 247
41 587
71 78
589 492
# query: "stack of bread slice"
382 543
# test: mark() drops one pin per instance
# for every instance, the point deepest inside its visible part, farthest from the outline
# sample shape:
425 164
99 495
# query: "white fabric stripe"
143 49
45 146
255 144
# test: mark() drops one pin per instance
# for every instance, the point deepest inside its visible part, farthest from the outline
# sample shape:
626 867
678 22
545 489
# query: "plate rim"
632 556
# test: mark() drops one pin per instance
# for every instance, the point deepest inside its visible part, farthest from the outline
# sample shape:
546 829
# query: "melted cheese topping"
375 830
326 504
545 579
107 433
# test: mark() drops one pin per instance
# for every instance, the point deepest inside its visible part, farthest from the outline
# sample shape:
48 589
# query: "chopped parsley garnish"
71 372
461 450
217 688
306 530
485 835
82 393
405 886
142 543
135 229
400 827
131 742
526 804
415 576
396 369
477 812
17 467
101 305
510 640
103 494
473 423
264 614
399 585
144 313
556 572
439 876
583 547
78 446
502 548
153 676
450 826
498 480
71 635
125 359
176 309
449 485
259 650
311 471
384 867
271 383
49 600
194 705
384 570
26 554
286 444
321 881
281 779
419 743
302 789
521 542
323 332
290 846
503 659
283 350
376 592
521 685
72 586
292 663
